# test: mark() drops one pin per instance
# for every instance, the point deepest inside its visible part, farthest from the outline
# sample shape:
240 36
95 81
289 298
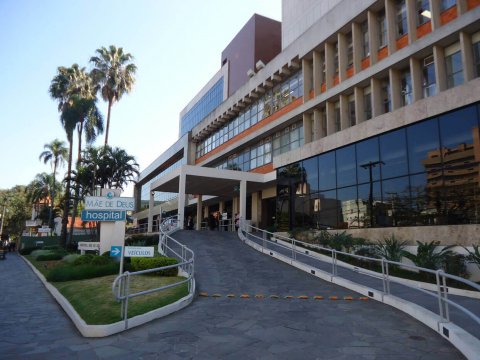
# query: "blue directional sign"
115 251
104 215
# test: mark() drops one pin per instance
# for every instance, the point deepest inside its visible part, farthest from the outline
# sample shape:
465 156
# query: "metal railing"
167 246
326 259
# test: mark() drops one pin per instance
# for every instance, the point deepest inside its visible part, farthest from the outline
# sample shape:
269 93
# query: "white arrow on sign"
115 251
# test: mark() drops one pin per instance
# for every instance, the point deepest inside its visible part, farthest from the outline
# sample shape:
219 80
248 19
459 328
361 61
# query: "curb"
110 329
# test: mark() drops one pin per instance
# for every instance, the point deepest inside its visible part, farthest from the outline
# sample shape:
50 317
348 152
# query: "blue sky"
176 45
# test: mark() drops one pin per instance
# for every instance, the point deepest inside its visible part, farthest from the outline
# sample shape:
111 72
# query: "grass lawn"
93 299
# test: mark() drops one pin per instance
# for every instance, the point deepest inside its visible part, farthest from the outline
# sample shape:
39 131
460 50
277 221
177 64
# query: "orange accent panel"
365 63
448 15
424 29
472 4
336 80
323 88
402 42
286 109
350 72
311 94
263 169
382 53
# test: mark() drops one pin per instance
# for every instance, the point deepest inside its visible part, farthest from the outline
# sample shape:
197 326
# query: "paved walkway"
33 326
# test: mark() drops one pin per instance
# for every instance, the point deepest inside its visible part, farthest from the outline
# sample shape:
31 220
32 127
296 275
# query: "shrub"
142 240
455 264
52 247
36 253
100 260
391 248
27 251
49 257
70 258
80 272
142 263
83 259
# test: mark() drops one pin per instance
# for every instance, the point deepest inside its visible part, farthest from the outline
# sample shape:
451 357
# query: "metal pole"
333 262
439 294
127 291
445 297
383 276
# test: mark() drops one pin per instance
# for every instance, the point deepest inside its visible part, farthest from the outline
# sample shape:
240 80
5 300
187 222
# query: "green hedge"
142 240
142 263
86 271
49 257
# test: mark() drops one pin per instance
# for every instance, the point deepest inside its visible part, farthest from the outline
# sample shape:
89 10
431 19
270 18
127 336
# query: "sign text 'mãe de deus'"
107 208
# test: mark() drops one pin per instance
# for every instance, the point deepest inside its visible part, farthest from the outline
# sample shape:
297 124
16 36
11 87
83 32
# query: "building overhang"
209 181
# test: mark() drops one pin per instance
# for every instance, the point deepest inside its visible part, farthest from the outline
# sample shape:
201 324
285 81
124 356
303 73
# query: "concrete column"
199 212
440 68
417 78
357 47
435 10
395 88
390 19
243 199
376 95
317 124
181 199
317 73
373 36
467 56
329 64
221 206
342 56
257 208
330 108
461 7
359 104
307 79
150 212
411 20
344 118
206 211
307 127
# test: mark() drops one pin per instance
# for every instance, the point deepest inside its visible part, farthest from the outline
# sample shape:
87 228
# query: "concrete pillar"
342 56
467 56
461 7
257 208
243 199
359 104
307 79
395 88
376 95
440 68
317 124
199 212
411 20
206 211
329 65
344 116
221 206
307 127
417 78
373 32
317 73
330 108
181 199
151 204
357 47
435 11
390 15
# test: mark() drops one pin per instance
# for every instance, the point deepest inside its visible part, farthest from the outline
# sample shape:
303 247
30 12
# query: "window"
367 103
407 96
337 117
346 166
453 60
447 4
424 14
385 94
401 18
476 54
429 84
382 29
351 110
365 42
349 41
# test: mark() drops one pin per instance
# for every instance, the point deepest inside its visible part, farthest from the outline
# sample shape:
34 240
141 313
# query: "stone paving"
33 326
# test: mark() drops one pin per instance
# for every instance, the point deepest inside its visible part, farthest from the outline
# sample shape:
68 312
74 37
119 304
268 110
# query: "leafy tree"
56 153
114 72
17 210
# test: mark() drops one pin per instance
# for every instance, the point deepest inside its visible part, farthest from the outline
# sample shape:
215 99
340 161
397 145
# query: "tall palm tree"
56 153
114 72
40 189
73 88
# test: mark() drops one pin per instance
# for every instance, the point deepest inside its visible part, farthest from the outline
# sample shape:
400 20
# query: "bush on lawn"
83 259
36 253
100 260
70 258
141 263
49 257
52 247
80 272
27 251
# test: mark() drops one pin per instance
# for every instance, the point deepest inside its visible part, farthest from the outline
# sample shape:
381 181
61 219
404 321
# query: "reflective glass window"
393 154
396 202
367 153
326 204
327 171
424 146
369 204
346 166
348 208
310 167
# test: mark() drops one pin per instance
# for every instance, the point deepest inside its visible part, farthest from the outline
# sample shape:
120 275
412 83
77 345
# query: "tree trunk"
63 237
108 121
53 197
77 190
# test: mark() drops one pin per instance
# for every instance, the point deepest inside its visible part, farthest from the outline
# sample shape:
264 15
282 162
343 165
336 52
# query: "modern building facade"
365 119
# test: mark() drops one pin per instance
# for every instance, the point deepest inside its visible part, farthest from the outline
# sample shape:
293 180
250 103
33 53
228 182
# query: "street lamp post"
370 165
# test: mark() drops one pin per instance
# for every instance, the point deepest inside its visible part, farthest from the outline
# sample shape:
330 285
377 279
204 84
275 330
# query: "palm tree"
71 87
428 257
390 248
114 72
55 153
41 188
